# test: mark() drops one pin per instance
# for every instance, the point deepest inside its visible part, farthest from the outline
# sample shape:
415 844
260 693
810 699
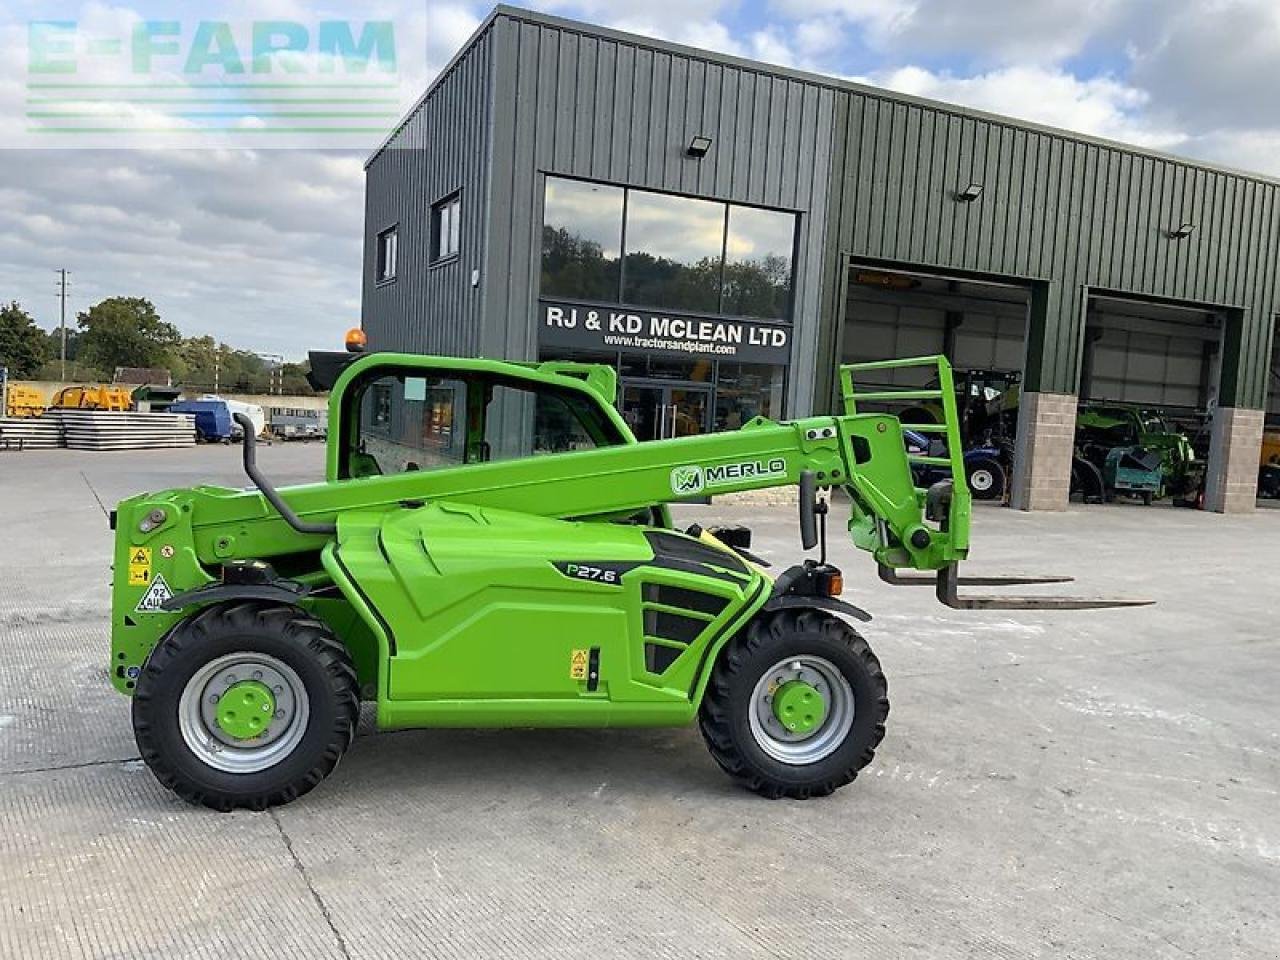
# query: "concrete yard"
1088 784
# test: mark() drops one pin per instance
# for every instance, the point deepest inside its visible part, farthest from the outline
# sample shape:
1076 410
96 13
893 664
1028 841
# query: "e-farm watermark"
210 81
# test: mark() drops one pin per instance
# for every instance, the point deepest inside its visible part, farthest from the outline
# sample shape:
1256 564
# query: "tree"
293 379
23 345
125 332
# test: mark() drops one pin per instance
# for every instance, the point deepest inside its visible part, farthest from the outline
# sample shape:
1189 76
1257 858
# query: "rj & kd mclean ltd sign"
604 328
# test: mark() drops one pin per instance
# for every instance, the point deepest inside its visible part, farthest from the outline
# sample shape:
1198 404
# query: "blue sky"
262 247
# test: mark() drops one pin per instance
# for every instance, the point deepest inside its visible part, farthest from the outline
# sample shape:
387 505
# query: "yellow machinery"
1270 448
23 401
92 398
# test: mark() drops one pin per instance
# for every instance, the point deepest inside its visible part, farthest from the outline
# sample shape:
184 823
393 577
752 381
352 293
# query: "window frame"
618 299
392 234
579 400
450 205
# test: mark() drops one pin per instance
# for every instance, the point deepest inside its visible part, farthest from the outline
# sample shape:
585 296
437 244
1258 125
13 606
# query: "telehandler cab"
491 547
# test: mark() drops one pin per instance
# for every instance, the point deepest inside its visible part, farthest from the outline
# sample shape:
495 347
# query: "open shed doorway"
1269 462
980 326
1149 379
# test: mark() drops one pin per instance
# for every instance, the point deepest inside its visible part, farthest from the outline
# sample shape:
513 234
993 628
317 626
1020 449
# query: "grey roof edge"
817 79
440 77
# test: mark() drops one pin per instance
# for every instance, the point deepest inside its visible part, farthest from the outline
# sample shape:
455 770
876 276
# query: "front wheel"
796 705
987 479
245 705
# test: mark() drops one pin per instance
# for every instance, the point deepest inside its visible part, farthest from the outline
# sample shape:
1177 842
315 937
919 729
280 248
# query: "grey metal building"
726 233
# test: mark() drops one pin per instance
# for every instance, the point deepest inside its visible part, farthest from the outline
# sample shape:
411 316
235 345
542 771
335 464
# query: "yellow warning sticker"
578 665
139 566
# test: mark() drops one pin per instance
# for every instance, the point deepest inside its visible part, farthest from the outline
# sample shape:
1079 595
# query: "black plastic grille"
684 598
672 626
657 658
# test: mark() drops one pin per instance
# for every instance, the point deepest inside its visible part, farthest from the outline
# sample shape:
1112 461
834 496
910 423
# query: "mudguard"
793 602
279 591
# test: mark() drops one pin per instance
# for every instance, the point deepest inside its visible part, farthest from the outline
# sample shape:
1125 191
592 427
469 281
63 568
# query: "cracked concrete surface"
1052 785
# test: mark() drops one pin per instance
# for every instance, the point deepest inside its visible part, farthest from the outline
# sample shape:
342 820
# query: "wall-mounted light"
970 193
698 147
1184 230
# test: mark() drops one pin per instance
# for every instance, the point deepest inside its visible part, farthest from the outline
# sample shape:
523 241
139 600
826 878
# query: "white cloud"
263 248
259 249
1254 150
818 37
985 31
634 11
769 46
1100 106
1213 63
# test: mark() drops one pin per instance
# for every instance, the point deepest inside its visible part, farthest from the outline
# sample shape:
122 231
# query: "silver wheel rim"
197 712
982 480
802 748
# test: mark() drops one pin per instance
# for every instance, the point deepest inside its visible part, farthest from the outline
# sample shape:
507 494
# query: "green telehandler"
491 547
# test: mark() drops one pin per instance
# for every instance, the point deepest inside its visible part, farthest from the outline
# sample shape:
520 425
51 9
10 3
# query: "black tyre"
987 479
245 705
1087 482
806 670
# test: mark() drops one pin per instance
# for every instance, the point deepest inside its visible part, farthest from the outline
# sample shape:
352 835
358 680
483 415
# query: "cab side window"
411 423
521 423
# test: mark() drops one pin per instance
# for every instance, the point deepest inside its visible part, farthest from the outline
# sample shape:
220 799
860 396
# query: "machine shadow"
638 761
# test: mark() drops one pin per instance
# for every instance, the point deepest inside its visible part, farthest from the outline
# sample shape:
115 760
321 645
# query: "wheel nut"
266 708
279 714
214 698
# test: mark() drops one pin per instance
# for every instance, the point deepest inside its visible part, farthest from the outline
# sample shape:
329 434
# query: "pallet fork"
939 498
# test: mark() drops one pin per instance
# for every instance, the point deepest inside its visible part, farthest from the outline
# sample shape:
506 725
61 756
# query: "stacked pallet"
30 433
125 430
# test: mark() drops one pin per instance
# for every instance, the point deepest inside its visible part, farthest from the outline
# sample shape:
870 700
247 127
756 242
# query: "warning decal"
578 665
158 594
139 566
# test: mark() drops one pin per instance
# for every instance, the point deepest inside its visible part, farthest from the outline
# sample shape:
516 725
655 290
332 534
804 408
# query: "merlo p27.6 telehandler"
492 547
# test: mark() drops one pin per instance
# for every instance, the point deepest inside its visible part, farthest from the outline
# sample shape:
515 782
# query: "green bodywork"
471 594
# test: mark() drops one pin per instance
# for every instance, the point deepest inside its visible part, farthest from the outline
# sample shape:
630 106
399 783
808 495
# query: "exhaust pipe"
267 490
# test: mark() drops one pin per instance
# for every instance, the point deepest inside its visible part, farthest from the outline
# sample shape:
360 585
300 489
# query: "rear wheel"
1087 482
796 705
245 705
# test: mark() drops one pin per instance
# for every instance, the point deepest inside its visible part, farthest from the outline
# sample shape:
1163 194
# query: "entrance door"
662 411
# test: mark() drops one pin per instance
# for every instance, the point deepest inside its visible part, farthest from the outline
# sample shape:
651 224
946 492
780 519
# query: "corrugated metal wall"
1074 212
442 147
615 109
873 176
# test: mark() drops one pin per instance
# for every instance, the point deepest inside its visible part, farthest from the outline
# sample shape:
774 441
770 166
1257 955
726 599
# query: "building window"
758 255
446 228
388 248
581 240
652 250
675 247
745 391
